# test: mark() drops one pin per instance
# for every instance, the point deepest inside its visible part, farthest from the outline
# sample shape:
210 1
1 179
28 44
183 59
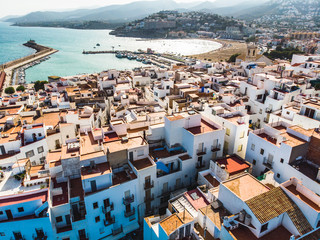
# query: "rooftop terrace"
204 127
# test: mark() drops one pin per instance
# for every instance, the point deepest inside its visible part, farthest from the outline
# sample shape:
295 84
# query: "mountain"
282 10
120 13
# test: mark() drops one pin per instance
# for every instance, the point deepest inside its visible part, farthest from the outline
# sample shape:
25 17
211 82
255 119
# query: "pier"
161 60
10 67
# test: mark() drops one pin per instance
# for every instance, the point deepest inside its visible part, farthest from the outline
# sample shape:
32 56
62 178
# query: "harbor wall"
40 51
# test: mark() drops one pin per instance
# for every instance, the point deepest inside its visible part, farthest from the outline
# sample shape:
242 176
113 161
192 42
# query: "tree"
39 85
233 57
9 90
20 88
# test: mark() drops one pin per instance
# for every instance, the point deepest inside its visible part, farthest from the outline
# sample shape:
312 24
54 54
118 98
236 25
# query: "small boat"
98 44
119 55
139 59
146 61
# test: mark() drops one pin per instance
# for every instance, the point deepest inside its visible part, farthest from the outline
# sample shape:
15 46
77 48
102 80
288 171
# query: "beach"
229 47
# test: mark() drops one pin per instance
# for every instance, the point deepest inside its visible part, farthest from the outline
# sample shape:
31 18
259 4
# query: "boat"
146 61
139 59
119 55
98 44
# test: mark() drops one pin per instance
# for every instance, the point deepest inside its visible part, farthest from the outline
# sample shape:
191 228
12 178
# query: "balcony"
149 198
202 151
216 148
109 221
199 166
267 163
106 209
64 229
130 213
128 200
117 231
148 185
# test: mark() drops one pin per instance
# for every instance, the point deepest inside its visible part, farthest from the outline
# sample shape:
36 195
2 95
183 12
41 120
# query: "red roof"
234 164
26 197
199 201
110 137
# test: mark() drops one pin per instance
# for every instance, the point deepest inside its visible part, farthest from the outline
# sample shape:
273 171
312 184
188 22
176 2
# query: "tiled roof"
313 236
275 202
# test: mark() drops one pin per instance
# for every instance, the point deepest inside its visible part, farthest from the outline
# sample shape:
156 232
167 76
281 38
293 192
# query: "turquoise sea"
71 42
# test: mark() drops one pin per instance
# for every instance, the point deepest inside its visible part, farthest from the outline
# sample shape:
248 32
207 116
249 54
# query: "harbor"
146 57
14 70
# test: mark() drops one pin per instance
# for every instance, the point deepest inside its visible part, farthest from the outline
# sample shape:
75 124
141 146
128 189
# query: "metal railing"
128 200
201 151
216 148
148 185
130 213
106 209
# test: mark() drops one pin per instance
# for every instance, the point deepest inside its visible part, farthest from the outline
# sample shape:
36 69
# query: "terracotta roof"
275 202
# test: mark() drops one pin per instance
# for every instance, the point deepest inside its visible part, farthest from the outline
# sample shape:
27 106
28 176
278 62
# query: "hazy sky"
20 7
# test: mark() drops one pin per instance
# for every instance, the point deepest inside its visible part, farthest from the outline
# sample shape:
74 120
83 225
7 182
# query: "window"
95 205
242 134
278 175
261 151
59 219
168 87
140 152
253 147
240 148
30 154
40 149
228 132
67 136
1 212
264 227
42 160
288 113
281 160
254 162
20 209
2 234
97 219
39 134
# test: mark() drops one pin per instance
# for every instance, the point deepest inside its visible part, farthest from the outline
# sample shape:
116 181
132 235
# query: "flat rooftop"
162 152
98 170
61 198
293 189
213 181
243 233
204 127
23 198
122 177
173 222
120 145
142 163
196 199
233 164
245 186
76 189
215 215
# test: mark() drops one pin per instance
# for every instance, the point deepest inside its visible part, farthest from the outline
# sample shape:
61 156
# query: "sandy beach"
229 47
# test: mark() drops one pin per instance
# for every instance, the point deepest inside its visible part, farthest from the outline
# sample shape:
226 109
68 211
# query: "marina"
149 57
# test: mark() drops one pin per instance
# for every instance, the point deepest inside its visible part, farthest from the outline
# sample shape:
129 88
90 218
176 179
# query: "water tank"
247 219
242 214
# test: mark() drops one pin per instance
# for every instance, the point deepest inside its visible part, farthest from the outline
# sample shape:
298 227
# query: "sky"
21 7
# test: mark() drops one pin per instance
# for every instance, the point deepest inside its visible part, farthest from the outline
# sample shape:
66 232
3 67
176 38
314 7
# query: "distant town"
219 145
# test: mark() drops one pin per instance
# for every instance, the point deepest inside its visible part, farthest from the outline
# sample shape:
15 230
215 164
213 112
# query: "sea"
70 61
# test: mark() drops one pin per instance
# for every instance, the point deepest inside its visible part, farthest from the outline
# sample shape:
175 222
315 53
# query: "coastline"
229 47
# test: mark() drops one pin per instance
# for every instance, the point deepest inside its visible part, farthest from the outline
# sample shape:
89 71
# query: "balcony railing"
216 148
130 213
128 200
202 151
109 221
148 185
268 163
149 198
106 209
117 231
